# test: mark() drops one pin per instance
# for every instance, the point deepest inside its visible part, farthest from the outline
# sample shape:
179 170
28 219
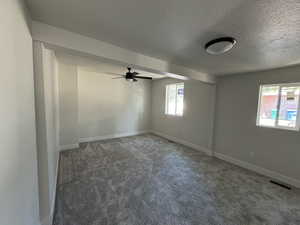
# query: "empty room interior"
150 112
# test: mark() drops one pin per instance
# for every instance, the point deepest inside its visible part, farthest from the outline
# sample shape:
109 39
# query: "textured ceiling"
267 31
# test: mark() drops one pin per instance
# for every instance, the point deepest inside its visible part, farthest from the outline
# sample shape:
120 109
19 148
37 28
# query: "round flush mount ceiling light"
220 45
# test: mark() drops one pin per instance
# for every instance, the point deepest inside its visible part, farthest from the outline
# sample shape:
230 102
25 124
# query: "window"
278 106
174 99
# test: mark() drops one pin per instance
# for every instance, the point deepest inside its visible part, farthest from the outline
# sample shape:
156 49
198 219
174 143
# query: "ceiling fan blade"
135 73
117 77
140 77
114 74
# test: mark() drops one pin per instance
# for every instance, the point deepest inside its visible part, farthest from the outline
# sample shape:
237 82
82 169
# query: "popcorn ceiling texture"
267 31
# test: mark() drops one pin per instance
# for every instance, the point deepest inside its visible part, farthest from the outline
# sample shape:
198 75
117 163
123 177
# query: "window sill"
172 115
279 128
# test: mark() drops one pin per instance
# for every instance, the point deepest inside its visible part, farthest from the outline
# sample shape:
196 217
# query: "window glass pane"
174 99
171 95
288 106
179 100
268 105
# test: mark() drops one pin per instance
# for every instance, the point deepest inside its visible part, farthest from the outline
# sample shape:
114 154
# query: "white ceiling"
103 68
267 31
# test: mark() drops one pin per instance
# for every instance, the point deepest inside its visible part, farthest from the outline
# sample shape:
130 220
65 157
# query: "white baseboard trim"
67 147
111 136
183 142
260 170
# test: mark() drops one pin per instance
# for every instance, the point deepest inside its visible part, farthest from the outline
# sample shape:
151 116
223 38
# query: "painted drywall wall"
46 103
236 133
18 165
196 124
109 107
49 65
68 105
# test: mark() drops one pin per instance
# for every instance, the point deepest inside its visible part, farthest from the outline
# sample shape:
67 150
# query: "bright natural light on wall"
174 99
278 106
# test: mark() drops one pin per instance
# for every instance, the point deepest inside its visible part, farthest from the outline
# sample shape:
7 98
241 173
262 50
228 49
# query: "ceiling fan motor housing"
132 76
129 75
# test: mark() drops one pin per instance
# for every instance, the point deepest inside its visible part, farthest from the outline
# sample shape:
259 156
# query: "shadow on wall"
112 106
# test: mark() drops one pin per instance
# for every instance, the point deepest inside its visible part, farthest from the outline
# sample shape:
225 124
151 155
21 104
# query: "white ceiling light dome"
220 45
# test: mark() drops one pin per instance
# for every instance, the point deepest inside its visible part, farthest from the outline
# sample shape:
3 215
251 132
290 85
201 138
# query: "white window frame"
167 99
277 126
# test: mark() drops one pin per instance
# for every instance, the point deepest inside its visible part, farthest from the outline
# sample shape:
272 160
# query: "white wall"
111 107
68 105
18 166
46 104
196 124
236 133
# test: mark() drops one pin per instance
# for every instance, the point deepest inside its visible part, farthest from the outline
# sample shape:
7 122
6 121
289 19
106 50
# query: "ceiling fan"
130 76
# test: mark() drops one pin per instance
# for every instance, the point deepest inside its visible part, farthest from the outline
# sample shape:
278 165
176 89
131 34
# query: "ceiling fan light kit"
220 45
131 80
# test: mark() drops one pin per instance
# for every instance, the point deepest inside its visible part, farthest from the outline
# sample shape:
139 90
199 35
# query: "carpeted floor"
147 180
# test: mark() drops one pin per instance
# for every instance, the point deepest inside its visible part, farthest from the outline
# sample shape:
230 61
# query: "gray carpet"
147 180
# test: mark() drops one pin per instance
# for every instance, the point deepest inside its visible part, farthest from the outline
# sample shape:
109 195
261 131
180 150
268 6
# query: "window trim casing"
167 100
281 85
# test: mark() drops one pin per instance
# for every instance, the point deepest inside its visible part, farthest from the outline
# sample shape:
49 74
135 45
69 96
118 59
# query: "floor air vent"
280 184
